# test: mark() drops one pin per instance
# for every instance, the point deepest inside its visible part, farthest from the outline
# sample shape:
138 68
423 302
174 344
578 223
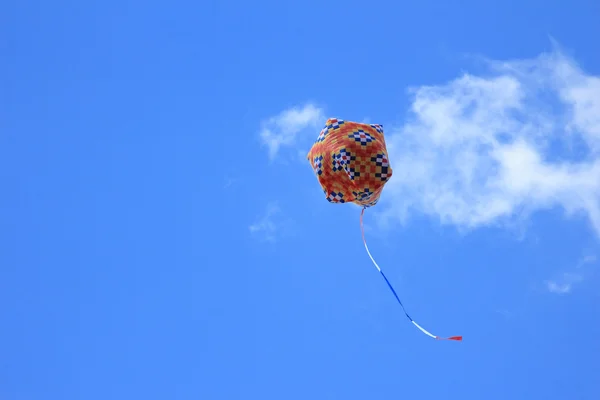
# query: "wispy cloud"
228 182
283 129
564 283
479 150
505 313
266 226
588 260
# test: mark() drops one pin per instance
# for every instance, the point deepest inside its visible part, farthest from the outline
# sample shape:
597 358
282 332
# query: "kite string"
392 288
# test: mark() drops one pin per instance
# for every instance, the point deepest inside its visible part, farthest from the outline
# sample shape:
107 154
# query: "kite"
351 163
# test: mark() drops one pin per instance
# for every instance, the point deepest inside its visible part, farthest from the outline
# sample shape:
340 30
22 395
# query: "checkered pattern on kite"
341 160
335 197
318 164
350 161
382 167
361 137
335 124
378 128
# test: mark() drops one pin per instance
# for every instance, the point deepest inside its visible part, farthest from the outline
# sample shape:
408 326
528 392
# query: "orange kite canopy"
351 162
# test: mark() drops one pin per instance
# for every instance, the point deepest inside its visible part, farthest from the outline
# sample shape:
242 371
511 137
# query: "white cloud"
588 259
564 283
282 130
481 149
266 226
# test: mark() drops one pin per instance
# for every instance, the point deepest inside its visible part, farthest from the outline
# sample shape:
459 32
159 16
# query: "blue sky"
163 237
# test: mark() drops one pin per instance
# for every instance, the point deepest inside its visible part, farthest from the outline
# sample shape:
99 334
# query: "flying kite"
351 163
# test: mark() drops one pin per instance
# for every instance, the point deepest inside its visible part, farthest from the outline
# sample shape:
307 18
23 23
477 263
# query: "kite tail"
458 338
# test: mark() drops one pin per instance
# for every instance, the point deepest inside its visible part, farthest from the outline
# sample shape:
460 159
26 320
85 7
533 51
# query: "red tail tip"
459 338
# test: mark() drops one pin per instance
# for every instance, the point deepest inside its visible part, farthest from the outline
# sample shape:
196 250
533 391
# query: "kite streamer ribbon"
457 338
